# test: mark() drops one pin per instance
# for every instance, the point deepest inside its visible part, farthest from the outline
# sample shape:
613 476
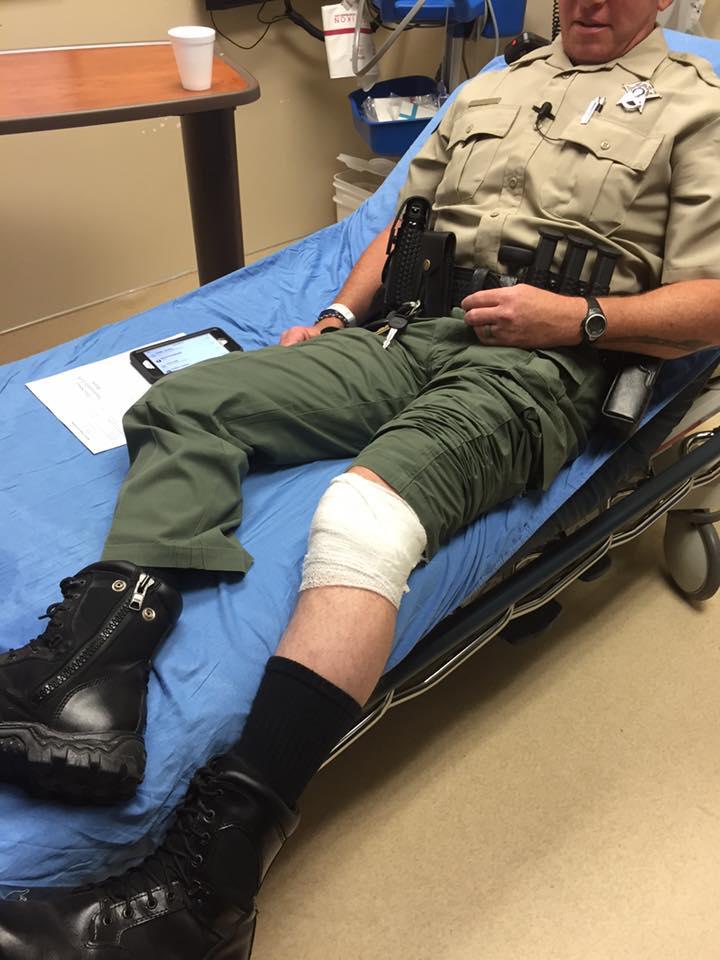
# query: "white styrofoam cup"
193 48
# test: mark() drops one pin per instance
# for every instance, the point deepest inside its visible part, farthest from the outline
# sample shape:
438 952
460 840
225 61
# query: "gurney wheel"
692 555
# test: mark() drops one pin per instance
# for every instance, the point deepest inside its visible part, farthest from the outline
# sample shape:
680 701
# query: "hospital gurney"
671 469
56 501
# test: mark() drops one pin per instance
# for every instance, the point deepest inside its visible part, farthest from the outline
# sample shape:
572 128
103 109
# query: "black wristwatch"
594 323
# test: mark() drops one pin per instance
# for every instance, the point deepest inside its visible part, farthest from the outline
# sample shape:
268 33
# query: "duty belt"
466 280
421 279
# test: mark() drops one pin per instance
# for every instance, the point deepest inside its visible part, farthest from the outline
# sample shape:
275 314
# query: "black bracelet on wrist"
331 314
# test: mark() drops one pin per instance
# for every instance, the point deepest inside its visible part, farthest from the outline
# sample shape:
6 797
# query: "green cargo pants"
455 427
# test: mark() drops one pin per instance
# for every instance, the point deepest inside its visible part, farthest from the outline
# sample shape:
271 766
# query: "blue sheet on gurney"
56 504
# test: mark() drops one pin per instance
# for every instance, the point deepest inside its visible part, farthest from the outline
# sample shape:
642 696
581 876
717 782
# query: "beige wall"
538 17
101 214
711 18
90 213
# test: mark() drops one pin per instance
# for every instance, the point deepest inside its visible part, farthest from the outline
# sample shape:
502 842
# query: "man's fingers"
293 335
476 317
482 299
483 306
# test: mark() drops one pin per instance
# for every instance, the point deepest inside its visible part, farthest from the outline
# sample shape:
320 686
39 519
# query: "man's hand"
524 316
298 334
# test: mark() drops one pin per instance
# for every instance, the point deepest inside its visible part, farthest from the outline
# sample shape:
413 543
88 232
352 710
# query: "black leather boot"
72 701
193 899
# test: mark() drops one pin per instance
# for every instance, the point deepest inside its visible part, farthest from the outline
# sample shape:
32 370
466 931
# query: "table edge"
160 108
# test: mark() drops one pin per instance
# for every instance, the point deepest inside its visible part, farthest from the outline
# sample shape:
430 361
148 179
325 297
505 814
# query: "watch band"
594 310
341 312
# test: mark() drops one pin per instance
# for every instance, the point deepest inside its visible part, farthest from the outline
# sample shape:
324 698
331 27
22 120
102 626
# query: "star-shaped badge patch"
637 94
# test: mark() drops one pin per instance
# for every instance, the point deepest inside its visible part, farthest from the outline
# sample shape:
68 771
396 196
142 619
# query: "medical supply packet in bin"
392 136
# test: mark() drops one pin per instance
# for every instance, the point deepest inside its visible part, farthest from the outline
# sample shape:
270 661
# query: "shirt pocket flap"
483 120
611 141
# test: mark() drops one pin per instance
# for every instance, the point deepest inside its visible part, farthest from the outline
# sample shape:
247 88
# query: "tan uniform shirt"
644 183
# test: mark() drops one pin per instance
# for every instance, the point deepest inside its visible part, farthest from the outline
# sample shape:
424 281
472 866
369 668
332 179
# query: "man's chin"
592 49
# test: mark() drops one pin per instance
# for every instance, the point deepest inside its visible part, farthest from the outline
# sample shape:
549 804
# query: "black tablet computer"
159 359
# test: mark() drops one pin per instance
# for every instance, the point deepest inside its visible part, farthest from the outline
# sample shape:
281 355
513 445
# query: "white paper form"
92 399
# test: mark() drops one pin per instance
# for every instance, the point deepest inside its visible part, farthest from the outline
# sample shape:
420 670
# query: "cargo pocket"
597 170
536 479
474 141
548 415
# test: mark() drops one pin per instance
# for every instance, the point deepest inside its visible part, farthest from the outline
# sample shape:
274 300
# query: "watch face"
595 326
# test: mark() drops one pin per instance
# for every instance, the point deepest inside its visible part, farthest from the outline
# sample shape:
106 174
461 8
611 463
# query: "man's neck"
638 39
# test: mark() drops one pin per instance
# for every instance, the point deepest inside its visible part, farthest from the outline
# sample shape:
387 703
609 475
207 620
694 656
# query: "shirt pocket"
595 172
473 143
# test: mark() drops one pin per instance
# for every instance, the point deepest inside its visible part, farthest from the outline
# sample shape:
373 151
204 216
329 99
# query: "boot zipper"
141 588
92 646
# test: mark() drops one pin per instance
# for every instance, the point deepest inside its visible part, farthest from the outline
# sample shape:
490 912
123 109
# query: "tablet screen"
176 355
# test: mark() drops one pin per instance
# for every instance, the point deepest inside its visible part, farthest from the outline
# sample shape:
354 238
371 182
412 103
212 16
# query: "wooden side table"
81 86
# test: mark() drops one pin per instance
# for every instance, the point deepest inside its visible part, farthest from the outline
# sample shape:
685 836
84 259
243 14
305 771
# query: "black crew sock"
296 719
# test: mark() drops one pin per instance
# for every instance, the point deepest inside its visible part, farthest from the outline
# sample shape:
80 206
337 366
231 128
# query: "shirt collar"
643 60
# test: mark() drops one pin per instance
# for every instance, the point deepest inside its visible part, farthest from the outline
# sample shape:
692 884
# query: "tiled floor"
554 801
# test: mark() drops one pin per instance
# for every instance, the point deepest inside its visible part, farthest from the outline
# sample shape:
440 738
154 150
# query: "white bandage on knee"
363 535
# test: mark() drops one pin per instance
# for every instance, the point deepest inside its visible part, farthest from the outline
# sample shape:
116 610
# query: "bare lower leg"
342 633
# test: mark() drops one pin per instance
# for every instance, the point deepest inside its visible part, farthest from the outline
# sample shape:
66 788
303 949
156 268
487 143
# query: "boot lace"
174 860
52 635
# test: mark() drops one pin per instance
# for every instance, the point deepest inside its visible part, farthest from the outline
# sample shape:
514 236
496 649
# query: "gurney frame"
687 462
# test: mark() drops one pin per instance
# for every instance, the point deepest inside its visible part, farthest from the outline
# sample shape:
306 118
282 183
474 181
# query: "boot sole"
104 768
236 949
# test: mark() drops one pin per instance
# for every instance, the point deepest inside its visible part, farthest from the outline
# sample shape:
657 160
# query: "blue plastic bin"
510 13
393 137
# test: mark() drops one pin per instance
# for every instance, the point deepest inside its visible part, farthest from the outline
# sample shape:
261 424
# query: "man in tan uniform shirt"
509 389
638 182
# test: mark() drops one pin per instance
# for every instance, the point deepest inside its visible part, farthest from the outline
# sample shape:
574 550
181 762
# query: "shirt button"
605 145
513 181
495 213
468 129
565 76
